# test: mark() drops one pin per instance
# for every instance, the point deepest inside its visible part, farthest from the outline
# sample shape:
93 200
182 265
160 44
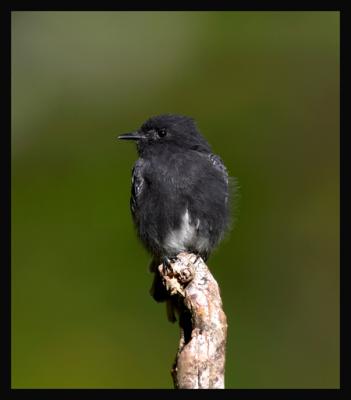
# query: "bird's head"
171 131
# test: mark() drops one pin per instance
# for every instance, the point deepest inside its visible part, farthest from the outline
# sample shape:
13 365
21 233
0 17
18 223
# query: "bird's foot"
197 256
167 263
176 273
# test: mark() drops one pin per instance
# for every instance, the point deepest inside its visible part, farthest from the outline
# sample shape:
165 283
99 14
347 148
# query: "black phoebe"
180 194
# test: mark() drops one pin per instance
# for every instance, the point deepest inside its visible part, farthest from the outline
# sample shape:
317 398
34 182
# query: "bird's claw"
197 257
167 263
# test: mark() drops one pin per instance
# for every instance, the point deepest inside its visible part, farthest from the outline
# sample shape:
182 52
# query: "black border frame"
345 148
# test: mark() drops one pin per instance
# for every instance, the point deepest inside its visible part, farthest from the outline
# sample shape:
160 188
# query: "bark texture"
195 295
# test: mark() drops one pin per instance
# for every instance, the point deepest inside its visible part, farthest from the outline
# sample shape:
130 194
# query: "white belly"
186 237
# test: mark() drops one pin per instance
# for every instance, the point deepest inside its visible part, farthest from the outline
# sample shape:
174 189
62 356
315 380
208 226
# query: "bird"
180 193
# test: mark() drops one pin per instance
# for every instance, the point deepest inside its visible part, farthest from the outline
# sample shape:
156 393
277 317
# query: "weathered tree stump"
195 295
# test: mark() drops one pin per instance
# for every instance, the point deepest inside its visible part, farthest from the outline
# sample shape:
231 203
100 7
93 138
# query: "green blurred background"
264 88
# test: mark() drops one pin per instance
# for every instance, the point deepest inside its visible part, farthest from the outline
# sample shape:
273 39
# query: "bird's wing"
217 162
137 185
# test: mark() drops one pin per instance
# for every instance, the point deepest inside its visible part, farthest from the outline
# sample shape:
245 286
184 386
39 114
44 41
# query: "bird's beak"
131 136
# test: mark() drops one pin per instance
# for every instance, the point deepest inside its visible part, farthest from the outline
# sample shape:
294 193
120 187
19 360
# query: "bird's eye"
162 132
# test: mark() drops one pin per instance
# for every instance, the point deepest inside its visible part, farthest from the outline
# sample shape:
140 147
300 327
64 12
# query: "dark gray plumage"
180 194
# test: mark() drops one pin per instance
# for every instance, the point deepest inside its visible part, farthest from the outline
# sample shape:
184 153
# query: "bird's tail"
159 292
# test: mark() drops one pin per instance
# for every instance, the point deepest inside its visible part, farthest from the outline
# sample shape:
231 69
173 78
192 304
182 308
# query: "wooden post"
195 295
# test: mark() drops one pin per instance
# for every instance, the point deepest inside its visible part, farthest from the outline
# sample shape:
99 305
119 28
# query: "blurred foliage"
264 88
